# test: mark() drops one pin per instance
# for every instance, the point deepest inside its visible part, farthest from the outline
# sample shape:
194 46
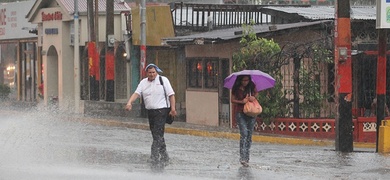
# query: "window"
203 73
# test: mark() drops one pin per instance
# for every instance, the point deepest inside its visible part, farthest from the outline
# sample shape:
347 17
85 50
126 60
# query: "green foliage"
267 56
255 52
273 103
4 91
309 81
261 54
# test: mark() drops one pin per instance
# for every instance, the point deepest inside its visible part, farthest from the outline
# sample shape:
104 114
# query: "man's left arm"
171 94
172 101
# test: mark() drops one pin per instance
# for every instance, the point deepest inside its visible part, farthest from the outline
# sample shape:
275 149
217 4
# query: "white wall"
202 108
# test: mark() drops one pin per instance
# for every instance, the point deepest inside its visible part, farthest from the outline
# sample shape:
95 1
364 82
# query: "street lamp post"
76 64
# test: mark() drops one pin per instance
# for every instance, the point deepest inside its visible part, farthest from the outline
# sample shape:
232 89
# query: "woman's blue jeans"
246 125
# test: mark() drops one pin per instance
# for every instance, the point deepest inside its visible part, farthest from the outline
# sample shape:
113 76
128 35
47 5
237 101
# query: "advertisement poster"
13 23
383 14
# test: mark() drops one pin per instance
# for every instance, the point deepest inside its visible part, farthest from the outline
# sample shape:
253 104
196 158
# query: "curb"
226 135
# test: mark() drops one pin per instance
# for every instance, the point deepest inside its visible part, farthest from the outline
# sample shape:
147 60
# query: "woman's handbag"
252 108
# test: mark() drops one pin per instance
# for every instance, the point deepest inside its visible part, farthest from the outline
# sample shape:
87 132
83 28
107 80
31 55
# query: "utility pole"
76 58
101 61
143 39
143 49
110 43
96 58
91 19
128 44
89 78
343 68
93 54
97 25
381 81
382 24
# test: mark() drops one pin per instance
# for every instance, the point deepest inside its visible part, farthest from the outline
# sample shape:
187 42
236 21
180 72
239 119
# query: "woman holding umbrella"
244 90
245 85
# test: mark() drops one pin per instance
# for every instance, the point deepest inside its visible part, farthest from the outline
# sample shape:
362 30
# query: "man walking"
158 106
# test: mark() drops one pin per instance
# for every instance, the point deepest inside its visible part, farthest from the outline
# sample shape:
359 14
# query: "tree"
262 54
308 58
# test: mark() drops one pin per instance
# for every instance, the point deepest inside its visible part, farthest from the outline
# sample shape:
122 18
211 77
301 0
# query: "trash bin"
384 137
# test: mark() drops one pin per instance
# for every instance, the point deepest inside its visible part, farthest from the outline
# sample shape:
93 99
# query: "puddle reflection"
245 173
157 167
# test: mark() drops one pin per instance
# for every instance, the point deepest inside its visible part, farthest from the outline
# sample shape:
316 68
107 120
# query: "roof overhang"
224 35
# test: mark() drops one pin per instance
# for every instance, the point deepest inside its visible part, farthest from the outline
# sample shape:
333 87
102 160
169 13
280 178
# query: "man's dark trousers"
157 126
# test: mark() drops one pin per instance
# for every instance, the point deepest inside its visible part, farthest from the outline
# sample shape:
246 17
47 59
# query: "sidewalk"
178 127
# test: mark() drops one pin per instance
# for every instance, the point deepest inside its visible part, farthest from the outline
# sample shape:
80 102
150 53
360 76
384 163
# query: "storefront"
18 48
55 28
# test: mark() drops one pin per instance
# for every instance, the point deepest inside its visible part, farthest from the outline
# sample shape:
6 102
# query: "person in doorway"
373 108
243 91
156 104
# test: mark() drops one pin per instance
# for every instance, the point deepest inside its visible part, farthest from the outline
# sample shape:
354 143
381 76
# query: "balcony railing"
202 17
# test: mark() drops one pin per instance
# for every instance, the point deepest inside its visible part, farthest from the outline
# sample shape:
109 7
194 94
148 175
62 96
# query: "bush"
4 91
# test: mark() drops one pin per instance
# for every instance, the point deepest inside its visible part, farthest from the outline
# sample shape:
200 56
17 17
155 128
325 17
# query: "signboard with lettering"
51 16
13 23
51 31
383 14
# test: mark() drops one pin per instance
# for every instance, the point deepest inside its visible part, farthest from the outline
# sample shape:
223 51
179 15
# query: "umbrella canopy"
261 79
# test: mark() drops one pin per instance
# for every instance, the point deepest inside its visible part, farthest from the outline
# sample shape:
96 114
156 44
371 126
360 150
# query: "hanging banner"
383 14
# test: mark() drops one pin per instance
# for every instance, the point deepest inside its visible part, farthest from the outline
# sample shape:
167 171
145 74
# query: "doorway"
50 75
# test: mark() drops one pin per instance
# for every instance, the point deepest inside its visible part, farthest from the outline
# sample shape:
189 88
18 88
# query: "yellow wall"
158 25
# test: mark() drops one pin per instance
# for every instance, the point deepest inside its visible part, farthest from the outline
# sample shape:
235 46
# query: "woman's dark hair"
249 88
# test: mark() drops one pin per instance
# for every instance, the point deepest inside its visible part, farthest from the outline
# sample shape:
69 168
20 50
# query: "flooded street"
37 145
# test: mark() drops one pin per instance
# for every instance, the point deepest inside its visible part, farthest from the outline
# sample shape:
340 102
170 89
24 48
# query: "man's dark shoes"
152 161
164 160
244 163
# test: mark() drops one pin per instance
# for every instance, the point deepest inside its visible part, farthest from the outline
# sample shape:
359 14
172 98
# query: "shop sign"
383 14
51 31
51 16
13 23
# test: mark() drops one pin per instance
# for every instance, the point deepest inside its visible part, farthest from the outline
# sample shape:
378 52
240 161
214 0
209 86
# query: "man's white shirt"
153 92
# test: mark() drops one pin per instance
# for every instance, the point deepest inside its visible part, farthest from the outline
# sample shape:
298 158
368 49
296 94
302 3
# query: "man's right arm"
133 97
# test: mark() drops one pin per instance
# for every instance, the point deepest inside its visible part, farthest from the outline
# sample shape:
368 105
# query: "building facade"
54 21
19 63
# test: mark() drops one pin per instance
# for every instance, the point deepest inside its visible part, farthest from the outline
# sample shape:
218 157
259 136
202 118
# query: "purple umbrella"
261 79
